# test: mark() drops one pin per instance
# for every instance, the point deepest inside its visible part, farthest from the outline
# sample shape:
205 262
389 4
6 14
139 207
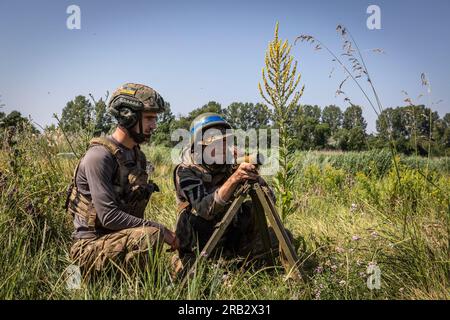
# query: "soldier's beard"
140 137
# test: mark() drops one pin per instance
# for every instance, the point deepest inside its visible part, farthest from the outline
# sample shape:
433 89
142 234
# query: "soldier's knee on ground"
122 246
143 239
155 236
87 254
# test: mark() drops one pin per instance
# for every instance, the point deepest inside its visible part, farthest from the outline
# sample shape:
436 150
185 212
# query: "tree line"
412 129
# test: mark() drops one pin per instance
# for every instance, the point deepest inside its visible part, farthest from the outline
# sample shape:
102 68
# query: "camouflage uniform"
110 191
200 209
95 244
129 247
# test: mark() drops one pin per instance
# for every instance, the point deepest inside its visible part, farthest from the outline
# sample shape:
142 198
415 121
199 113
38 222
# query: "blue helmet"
205 121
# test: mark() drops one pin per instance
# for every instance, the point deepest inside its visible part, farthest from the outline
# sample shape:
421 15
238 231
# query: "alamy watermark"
230 147
73 21
73 280
374 279
373 22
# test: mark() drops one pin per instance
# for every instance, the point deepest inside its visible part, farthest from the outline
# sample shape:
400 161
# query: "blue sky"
196 51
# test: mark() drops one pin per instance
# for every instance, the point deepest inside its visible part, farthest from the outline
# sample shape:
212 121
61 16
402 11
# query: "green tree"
103 120
422 122
322 134
342 139
165 126
355 126
185 121
445 140
332 115
414 129
77 115
390 121
353 118
390 125
306 125
247 115
16 122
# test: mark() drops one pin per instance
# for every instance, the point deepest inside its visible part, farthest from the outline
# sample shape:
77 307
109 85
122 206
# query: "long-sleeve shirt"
94 180
200 189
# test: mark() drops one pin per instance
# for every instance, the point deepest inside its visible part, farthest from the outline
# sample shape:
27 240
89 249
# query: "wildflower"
334 267
319 269
340 250
317 294
353 207
355 238
342 283
374 234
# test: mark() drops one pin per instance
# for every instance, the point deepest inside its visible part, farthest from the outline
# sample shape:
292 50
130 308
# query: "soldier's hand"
171 239
245 171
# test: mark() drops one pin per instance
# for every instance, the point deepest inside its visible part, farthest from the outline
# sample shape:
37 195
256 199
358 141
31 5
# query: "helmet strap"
138 137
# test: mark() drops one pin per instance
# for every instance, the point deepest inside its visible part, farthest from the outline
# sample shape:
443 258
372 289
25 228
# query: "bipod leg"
262 227
220 229
275 221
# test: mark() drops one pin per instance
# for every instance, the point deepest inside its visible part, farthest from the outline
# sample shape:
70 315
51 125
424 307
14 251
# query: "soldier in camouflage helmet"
204 193
110 188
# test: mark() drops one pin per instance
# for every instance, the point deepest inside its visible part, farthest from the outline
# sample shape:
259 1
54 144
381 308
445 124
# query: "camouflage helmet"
130 99
206 121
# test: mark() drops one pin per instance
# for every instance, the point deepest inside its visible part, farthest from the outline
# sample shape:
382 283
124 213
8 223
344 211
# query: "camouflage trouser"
241 239
125 247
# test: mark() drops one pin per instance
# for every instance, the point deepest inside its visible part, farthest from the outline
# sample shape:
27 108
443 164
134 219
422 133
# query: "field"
352 215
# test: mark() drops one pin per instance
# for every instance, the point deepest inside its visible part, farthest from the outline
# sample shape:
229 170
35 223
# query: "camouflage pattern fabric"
126 247
131 185
198 186
148 99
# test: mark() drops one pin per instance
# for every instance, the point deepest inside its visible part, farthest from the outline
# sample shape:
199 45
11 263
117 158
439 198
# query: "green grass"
350 212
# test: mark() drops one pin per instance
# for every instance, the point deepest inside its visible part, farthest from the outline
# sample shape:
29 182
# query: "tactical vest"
131 186
201 172
191 229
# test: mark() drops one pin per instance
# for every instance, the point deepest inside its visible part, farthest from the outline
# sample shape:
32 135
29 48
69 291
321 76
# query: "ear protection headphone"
127 118
124 109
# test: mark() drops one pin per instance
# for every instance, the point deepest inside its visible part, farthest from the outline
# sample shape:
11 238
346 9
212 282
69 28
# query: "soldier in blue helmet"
204 191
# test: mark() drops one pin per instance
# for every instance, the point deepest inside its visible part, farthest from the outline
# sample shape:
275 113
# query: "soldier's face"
219 151
148 124
149 121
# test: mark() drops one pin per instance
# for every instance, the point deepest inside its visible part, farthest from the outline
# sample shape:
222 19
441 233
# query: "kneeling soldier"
110 188
204 193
